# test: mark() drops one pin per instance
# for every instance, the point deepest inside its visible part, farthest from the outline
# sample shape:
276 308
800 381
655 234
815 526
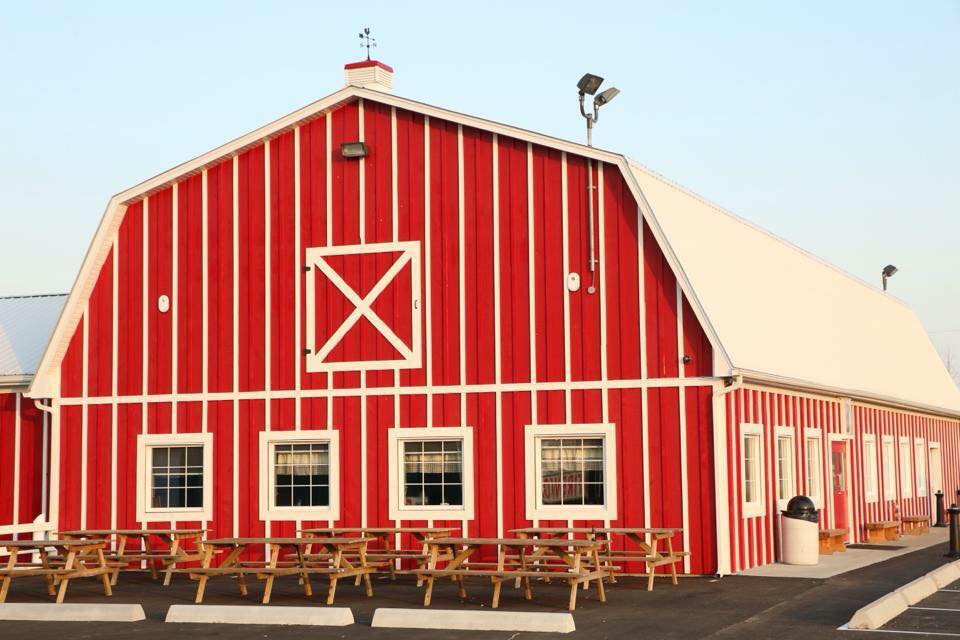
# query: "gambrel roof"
772 312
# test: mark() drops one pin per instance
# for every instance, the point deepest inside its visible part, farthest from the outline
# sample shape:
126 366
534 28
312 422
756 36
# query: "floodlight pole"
590 118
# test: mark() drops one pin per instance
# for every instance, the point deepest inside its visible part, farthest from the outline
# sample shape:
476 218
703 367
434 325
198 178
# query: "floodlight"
589 84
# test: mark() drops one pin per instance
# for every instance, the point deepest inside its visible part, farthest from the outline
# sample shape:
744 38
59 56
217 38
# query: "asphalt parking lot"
937 615
732 607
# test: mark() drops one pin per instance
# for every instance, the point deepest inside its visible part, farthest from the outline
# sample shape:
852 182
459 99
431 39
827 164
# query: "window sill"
291 514
753 511
179 515
430 514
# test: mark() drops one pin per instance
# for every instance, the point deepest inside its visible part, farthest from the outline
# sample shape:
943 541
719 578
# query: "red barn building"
376 311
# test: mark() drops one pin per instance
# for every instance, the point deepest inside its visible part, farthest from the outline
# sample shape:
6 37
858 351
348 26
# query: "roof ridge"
719 209
34 295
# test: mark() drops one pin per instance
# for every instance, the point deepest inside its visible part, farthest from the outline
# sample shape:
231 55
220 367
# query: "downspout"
720 471
45 490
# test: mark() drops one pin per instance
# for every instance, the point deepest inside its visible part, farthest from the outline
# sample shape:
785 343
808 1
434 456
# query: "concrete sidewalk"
851 559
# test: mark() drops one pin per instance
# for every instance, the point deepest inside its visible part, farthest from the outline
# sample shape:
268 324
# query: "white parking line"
912 633
933 609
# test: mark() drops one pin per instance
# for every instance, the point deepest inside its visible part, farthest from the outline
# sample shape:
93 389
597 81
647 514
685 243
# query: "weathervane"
369 42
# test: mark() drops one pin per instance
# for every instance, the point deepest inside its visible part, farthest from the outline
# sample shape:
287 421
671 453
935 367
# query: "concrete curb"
883 610
473 620
946 575
71 612
255 614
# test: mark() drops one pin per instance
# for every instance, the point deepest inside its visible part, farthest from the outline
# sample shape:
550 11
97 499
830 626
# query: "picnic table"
578 559
337 567
387 556
82 558
174 553
647 538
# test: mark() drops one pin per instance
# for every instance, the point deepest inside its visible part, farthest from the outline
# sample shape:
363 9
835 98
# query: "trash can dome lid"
801 504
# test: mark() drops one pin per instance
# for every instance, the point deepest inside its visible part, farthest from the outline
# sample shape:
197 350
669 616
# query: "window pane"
178 499
301 495
195 456
178 456
283 497
195 498
159 500
320 496
159 457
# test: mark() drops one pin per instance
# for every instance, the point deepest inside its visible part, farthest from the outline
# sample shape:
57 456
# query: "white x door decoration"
407 256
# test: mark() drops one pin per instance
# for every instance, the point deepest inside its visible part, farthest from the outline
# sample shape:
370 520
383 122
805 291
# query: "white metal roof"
781 312
26 323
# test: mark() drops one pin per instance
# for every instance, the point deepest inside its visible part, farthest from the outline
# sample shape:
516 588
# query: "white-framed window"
920 466
813 456
889 469
906 475
174 477
401 330
751 469
431 473
870 478
786 480
300 475
571 471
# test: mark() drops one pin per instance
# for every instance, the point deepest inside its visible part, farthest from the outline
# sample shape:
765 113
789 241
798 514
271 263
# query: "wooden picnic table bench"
832 540
174 552
648 540
81 559
336 566
882 531
915 525
573 554
389 556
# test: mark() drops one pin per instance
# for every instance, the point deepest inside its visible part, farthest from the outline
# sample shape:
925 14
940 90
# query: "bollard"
954 550
940 519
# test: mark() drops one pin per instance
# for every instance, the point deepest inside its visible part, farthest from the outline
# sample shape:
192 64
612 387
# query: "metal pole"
940 521
954 549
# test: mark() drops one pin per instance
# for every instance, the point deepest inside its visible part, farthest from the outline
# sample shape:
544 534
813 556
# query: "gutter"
795 384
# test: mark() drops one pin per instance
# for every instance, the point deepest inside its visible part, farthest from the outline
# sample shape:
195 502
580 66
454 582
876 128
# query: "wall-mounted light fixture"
353 150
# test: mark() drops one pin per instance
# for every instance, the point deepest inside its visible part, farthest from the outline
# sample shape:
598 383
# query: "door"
936 477
839 467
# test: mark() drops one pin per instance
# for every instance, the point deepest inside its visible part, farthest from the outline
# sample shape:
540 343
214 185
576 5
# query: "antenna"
368 41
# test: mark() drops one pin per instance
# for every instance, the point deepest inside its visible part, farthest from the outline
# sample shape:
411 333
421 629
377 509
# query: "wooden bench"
915 525
497 577
832 540
880 532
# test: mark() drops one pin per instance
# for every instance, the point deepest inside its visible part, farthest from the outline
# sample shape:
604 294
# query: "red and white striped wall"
755 539
24 455
500 223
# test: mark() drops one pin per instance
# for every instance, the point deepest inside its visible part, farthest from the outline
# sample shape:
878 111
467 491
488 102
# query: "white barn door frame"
410 355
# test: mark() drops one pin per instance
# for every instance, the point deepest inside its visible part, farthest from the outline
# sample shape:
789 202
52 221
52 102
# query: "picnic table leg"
11 565
332 592
651 569
121 548
205 563
673 565
68 566
274 555
573 582
105 576
45 561
304 576
596 561
174 551
366 574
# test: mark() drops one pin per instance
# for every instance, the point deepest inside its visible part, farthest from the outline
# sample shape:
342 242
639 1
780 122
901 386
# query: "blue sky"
835 125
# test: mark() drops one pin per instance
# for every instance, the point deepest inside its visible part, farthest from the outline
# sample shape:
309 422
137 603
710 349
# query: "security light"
353 149
589 84
888 272
606 96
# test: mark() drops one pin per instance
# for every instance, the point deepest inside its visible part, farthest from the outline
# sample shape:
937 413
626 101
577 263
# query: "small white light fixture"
353 150
163 304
